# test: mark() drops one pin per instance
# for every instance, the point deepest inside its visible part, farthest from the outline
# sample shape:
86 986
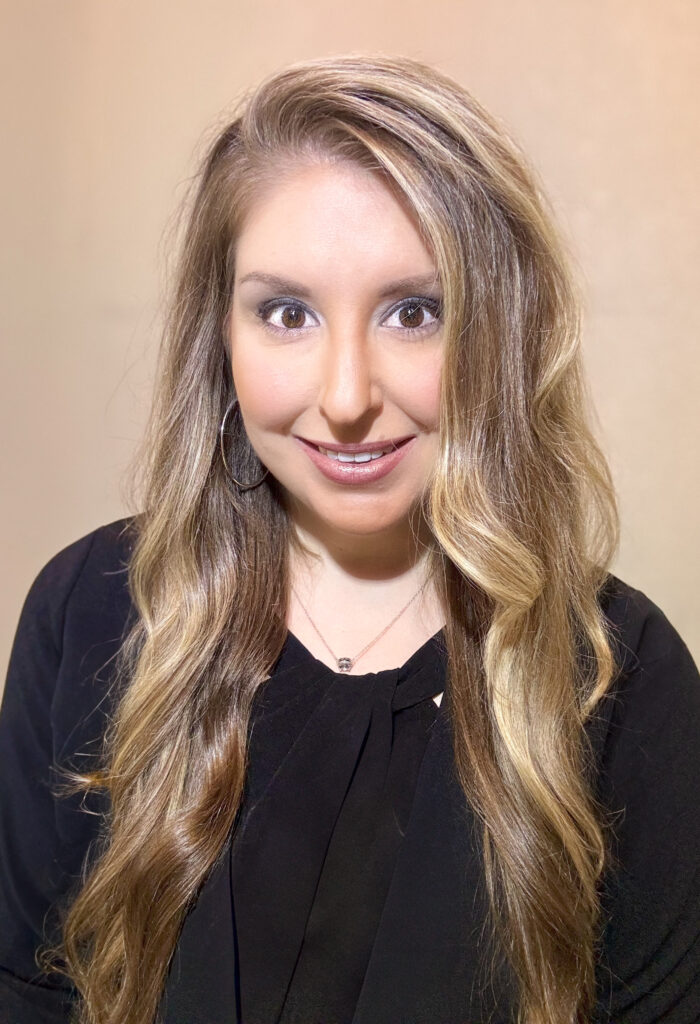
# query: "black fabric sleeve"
33 852
650 782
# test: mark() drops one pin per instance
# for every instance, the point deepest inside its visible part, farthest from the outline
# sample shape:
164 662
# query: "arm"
53 713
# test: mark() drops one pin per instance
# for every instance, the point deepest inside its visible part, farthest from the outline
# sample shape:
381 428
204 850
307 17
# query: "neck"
352 590
395 552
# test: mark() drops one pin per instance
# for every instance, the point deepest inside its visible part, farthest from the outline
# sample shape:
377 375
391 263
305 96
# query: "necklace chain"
345 664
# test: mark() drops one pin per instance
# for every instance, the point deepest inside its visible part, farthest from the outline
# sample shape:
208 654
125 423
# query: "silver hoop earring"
222 430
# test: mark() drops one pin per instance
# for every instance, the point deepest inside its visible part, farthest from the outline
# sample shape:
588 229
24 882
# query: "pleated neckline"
334 763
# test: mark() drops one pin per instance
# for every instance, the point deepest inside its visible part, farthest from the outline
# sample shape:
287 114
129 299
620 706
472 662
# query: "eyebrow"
406 284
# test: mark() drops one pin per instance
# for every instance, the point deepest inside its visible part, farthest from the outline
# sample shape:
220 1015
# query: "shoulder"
655 664
95 555
656 681
89 573
640 629
74 617
652 711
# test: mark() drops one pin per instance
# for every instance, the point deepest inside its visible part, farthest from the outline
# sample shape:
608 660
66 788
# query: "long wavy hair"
522 510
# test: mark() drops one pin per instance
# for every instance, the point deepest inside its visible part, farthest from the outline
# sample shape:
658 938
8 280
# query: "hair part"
521 506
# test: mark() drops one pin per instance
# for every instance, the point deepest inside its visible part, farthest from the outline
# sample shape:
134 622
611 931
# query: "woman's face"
336 340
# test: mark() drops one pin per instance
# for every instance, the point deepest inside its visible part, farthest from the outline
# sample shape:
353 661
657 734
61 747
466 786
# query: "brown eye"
412 315
283 316
293 316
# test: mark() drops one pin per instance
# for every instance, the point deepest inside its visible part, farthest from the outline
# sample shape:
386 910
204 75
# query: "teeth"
361 457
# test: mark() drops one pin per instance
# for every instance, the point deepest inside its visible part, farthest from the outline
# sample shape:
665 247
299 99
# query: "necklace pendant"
344 664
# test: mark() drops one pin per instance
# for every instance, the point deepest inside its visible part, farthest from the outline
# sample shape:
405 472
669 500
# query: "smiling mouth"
358 453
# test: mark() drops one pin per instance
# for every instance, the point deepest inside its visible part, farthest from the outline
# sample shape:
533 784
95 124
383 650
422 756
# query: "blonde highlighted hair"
521 507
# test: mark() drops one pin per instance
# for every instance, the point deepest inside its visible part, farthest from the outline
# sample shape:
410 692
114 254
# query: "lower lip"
356 472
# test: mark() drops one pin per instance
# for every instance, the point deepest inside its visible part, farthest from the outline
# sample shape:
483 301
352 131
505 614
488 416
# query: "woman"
359 726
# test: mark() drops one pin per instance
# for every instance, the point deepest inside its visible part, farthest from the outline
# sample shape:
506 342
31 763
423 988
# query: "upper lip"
356 449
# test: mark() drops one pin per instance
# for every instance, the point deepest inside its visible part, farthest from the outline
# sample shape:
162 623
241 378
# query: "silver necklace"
345 664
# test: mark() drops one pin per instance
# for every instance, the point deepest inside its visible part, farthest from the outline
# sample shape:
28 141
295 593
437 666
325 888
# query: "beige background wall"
105 105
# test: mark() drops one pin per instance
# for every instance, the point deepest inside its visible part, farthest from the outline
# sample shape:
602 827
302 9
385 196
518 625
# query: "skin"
344 365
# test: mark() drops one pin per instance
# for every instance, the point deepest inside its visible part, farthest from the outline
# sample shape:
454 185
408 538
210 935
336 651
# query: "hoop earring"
222 429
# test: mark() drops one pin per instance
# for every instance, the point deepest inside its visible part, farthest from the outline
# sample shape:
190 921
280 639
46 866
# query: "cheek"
429 401
268 393
419 392
431 387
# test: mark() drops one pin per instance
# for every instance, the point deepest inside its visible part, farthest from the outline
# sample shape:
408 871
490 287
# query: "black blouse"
315 849
353 888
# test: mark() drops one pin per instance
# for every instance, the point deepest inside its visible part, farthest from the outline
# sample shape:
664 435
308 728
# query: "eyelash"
432 305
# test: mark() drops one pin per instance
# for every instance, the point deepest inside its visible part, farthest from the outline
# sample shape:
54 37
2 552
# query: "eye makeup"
431 305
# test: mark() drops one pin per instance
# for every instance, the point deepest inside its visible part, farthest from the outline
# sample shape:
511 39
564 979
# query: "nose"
349 388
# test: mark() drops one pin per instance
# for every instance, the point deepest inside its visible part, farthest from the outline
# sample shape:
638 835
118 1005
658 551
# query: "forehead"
331 217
